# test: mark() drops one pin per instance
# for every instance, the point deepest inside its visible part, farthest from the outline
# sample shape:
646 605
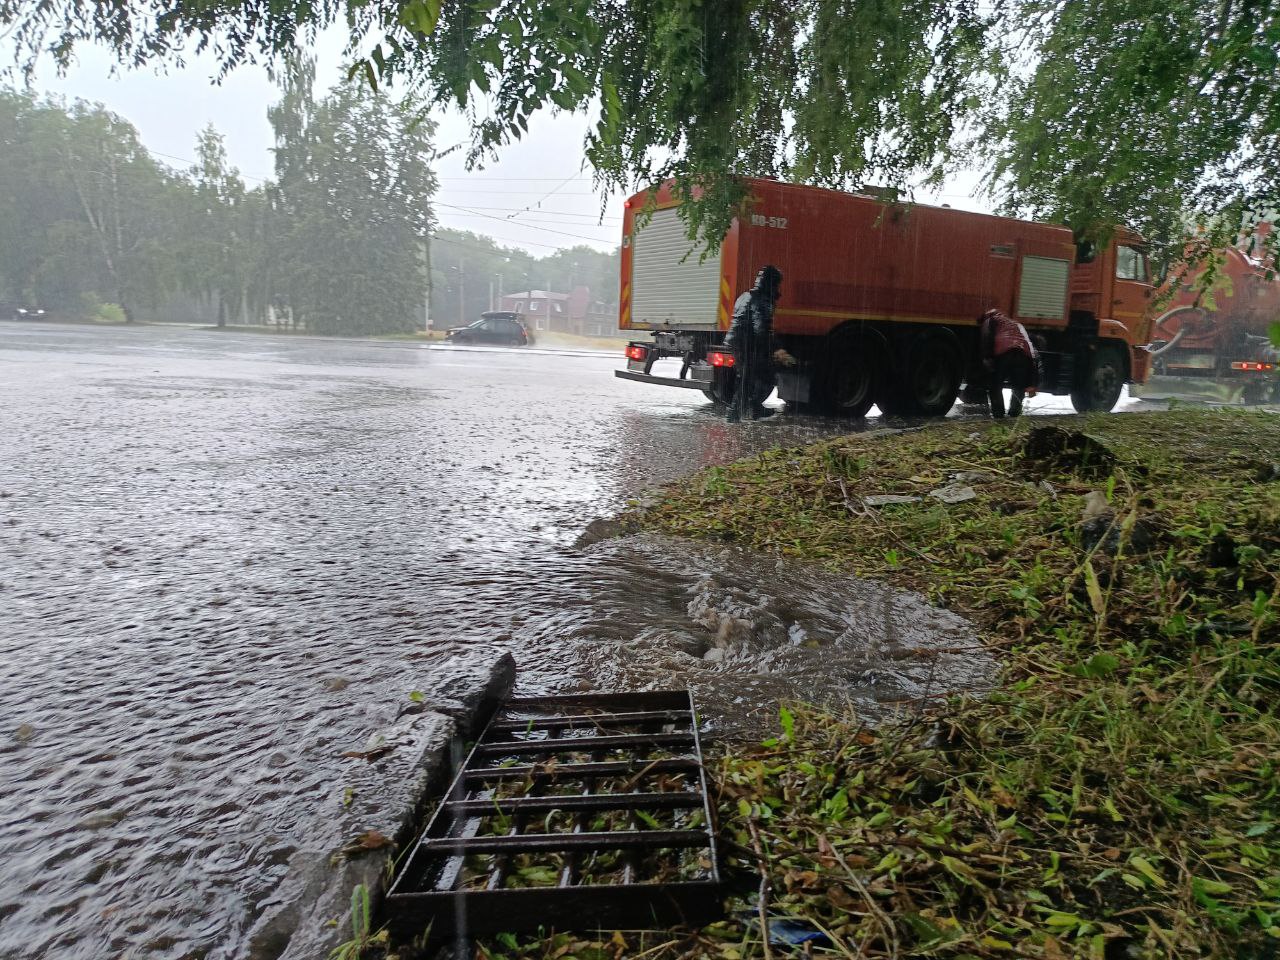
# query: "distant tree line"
91 223
470 271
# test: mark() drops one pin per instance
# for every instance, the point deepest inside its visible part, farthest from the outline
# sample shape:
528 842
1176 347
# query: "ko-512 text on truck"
881 301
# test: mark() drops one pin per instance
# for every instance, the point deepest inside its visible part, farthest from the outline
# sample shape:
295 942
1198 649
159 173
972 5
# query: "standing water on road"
225 559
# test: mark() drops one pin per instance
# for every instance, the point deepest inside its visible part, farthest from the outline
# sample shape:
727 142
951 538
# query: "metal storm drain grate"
575 812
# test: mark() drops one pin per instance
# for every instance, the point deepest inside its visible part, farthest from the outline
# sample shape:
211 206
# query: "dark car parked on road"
9 310
498 327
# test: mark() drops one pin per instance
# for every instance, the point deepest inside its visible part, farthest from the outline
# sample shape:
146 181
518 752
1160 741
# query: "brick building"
575 312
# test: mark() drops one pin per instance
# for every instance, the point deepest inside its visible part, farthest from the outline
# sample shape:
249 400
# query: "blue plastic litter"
788 933
795 933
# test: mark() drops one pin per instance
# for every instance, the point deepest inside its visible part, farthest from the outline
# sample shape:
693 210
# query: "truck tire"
930 378
846 374
935 367
1255 393
892 400
1102 381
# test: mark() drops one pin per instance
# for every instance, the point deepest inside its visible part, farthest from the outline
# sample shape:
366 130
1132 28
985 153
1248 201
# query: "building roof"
536 295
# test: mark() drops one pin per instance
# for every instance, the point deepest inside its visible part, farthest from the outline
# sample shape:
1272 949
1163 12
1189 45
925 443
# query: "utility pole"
491 306
426 304
462 292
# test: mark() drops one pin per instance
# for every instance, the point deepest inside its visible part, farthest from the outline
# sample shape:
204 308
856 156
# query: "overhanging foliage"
1154 112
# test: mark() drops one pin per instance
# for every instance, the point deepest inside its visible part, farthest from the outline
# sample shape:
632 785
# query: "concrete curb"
310 913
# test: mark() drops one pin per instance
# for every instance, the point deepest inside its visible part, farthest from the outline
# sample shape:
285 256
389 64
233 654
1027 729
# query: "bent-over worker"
750 336
1008 356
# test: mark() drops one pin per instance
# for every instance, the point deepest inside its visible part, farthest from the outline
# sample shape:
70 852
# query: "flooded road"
224 559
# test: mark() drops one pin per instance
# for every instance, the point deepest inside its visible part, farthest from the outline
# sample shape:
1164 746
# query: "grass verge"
1117 795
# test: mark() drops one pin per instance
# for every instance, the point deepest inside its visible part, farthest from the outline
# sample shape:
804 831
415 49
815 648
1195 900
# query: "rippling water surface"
225 559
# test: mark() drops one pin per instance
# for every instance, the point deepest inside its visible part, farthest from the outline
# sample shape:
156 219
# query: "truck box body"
844 257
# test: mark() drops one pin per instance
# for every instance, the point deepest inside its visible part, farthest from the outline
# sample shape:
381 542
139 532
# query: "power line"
489 216
457 243
523 193
550 213
194 163
480 249
542 218
527 220
538 202
514 179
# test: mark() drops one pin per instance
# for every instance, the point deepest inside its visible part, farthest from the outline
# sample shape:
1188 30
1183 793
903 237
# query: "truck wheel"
1104 376
934 371
845 376
931 379
892 400
1255 393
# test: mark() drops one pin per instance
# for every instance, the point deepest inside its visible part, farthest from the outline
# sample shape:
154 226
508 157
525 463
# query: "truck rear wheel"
931 378
1256 393
845 376
1103 380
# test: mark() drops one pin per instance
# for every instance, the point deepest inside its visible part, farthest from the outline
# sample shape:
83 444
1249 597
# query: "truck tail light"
1252 365
637 352
718 358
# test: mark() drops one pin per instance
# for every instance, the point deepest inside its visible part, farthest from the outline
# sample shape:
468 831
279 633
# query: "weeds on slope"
1118 794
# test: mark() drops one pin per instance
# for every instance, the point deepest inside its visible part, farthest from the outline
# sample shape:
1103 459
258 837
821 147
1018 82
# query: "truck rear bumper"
689 384
1214 389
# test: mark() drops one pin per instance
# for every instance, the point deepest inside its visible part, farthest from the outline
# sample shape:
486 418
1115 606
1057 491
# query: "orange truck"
1216 345
880 300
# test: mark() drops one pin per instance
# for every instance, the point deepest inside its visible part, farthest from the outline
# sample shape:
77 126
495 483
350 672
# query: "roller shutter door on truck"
1042 294
666 285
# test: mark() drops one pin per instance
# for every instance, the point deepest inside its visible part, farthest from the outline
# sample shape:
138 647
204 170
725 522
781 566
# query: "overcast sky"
537 196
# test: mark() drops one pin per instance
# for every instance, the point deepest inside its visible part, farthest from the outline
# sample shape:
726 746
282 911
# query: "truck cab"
1111 293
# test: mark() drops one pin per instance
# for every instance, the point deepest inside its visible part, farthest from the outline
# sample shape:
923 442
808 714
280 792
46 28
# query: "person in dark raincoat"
1008 356
751 338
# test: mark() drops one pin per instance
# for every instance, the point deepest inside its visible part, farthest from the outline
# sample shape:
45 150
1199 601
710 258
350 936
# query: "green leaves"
420 15
1100 665
837 807
1092 112
788 721
1096 599
1143 866
352 204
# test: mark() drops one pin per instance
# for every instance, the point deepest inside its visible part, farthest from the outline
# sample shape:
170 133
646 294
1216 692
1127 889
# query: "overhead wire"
530 221
489 216
538 202
436 238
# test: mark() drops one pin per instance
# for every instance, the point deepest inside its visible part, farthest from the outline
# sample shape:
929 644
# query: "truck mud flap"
689 384
793 387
